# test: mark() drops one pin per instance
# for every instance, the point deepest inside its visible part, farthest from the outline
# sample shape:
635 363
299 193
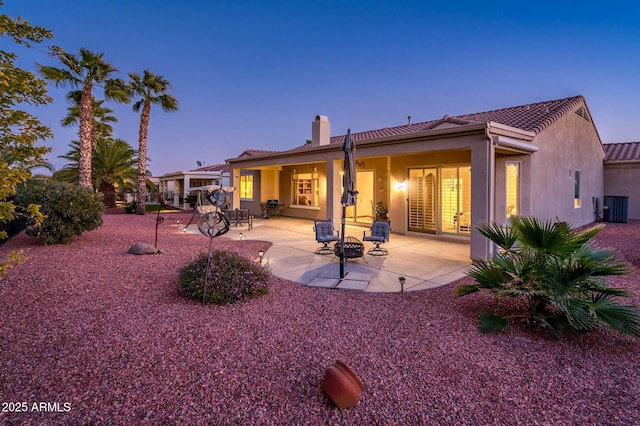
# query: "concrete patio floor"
424 262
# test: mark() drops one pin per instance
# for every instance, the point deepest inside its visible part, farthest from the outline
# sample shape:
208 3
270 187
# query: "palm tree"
83 71
151 89
557 273
102 116
13 161
113 167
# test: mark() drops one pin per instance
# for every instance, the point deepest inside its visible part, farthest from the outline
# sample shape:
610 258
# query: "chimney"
320 131
409 119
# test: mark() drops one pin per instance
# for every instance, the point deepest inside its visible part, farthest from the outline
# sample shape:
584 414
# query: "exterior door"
363 210
440 200
422 200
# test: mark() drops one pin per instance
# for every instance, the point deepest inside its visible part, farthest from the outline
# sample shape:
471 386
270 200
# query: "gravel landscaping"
105 337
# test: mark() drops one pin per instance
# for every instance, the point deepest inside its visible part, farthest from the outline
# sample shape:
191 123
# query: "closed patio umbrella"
349 193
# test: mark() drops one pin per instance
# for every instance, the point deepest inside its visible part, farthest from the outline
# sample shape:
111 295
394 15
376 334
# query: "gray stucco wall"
623 180
253 204
569 144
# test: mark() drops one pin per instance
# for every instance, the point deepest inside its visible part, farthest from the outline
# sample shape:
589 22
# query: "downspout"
491 206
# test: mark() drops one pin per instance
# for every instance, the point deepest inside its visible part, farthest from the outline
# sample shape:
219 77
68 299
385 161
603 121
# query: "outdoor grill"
272 208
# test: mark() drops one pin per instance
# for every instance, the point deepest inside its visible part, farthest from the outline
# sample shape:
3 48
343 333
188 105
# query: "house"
442 178
174 187
622 174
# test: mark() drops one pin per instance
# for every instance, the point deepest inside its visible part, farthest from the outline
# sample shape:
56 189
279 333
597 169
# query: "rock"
142 248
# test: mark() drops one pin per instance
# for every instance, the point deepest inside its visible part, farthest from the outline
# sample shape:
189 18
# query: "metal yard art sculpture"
212 222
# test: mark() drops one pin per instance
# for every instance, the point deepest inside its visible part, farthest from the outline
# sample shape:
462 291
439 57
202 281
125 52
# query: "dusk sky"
254 74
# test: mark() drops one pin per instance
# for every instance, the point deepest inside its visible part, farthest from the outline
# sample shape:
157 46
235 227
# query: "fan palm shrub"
557 273
113 167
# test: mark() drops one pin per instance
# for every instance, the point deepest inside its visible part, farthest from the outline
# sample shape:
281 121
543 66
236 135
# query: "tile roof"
250 152
623 151
533 117
214 168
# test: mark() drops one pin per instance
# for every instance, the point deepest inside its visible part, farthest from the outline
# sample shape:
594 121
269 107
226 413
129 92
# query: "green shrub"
70 210
556 273
131 207
231 278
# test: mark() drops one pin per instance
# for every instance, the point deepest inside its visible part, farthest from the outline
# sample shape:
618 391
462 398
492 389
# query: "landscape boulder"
142 248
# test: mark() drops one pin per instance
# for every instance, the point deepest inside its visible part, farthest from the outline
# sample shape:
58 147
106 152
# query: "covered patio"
423 262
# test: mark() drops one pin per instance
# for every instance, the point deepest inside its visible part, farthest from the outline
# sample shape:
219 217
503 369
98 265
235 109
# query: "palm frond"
491 323
487 275
554 238
465 289
625 319
504 237
577 312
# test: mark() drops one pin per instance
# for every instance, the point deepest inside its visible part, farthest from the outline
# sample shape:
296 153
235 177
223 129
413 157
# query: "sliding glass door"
440 200
422 200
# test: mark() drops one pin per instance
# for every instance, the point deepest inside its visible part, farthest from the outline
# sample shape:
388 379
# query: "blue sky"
254 74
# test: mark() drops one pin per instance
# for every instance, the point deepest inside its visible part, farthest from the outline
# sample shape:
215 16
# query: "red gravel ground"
105 337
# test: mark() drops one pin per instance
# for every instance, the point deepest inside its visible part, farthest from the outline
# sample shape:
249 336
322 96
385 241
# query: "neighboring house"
622 174
174 187
152 197
443 177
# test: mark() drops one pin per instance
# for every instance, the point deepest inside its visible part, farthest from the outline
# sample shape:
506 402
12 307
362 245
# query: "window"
195 183
513 189
305 189
576 191
246 187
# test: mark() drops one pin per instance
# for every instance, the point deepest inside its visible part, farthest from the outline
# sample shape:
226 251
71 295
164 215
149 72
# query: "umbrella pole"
342 258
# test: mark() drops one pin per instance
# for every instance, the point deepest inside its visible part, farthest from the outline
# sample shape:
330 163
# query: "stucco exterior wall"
252 204
623 180
569 144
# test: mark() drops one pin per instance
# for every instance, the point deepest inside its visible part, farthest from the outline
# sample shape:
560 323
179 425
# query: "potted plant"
380 212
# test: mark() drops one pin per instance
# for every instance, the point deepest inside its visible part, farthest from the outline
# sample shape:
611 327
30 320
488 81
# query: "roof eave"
620 162
387 140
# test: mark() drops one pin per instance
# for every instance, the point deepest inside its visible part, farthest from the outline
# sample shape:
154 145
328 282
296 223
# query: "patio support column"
235 183
334 191
482 195
185 191
176 194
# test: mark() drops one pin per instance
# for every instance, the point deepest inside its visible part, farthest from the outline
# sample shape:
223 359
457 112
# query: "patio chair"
325 234
378 234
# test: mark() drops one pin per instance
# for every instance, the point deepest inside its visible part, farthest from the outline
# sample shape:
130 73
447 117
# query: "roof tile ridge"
574 101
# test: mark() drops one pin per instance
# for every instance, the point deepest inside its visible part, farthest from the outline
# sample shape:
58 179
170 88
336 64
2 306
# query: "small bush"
558 276
231 278
70 210
131 207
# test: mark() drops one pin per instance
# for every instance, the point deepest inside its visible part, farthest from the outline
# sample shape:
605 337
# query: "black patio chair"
378 234
325 234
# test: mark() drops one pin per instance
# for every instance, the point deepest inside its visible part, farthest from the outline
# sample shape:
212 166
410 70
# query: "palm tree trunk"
86 142
142 158
109 192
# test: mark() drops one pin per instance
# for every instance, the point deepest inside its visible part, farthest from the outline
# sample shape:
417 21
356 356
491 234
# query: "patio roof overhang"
506 139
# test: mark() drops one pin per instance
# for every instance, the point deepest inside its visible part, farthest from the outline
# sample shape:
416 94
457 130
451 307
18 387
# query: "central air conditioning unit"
616 209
